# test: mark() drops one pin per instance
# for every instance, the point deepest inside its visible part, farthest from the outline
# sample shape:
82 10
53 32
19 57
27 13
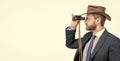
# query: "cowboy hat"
98 10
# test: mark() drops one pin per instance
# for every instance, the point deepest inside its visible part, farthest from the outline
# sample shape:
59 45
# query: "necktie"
90 48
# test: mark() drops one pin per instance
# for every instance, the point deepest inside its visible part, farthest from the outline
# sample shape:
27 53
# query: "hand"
74 23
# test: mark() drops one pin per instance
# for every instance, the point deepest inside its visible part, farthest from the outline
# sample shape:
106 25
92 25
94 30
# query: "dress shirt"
98 34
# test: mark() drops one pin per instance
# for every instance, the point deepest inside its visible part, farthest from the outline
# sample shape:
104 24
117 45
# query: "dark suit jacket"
107 48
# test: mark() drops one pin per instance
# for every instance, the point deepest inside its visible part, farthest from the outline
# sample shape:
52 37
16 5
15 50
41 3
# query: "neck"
98 28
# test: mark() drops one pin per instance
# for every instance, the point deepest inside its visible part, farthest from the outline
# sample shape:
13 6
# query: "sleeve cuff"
69 28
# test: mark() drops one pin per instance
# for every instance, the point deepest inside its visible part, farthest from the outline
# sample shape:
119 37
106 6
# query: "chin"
88 29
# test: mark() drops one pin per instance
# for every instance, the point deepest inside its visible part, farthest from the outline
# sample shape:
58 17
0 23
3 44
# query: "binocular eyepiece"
78 17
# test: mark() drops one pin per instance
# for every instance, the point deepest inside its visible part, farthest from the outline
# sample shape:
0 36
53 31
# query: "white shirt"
98 35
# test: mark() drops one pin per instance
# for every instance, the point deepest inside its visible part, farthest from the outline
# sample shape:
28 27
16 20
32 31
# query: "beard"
90 27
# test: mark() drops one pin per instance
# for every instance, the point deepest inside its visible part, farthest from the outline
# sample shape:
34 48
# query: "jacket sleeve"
71 42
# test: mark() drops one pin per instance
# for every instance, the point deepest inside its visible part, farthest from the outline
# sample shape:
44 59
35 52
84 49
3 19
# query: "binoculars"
78 17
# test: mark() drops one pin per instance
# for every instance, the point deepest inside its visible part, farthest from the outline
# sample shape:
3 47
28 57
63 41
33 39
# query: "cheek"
89 23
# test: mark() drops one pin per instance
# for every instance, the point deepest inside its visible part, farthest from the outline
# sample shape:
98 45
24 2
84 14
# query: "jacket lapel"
85 39
99 44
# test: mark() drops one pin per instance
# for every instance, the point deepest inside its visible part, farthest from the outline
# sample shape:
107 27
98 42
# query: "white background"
34 30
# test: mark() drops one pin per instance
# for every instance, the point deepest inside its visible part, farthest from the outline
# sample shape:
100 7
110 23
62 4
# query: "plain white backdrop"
34 30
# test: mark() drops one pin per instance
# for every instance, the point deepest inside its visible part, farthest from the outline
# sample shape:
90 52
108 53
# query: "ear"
98 20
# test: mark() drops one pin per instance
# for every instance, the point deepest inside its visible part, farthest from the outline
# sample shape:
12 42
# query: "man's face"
90 22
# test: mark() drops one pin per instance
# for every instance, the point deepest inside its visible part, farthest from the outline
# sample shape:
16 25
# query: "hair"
103 18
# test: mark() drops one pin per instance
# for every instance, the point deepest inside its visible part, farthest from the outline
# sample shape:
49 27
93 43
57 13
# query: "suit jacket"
107 48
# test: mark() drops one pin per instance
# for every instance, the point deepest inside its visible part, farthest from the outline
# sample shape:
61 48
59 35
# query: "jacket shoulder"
111 36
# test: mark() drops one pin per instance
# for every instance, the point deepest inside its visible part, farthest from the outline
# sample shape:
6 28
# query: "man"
103 46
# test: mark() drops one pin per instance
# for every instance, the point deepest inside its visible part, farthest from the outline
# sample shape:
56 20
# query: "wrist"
72 28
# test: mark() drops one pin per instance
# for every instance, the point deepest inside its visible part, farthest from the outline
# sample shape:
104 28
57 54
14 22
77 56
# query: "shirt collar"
98 34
